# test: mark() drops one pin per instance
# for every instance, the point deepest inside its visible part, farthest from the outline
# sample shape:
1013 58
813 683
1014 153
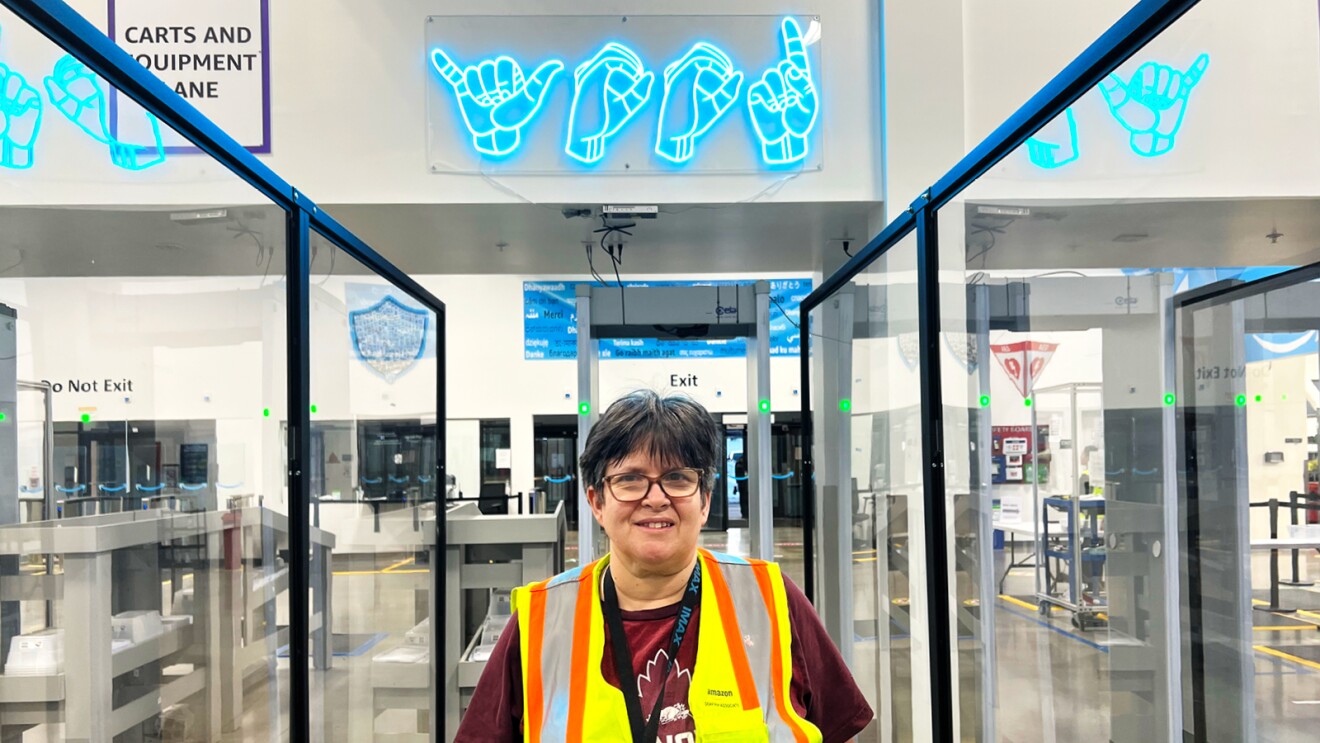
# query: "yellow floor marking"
391 570
866 559
1017 601
1288 656
1289 628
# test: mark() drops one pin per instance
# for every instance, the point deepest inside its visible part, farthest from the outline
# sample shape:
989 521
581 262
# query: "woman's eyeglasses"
632 486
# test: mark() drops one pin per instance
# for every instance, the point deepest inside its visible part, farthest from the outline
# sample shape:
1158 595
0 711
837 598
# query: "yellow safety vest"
740 682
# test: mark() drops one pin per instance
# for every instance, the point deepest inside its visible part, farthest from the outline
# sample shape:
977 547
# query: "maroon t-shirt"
822 691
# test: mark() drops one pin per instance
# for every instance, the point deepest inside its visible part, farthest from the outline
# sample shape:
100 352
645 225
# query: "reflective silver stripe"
557 657
754 623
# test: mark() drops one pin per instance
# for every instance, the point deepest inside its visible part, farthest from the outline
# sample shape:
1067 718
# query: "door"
732 483
786 468
556 464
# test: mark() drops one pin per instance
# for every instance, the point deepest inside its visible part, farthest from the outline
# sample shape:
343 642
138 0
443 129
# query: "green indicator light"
313 408
584 408
1257 398
265 412
1241 400
86 418
844 405
3 416
1285 397
1027 401
765 406
1169 398
985 401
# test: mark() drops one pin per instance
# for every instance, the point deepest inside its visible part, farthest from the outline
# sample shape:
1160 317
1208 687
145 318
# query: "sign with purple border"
215 53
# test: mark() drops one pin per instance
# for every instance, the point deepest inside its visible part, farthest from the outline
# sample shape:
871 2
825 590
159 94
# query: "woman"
658 640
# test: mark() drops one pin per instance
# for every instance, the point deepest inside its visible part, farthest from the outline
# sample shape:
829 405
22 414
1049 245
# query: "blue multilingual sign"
550 324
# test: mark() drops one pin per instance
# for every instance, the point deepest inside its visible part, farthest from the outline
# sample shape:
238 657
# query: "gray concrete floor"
1052 683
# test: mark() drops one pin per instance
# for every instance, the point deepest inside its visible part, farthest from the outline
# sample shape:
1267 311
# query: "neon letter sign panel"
77 93
608 90
496 99
783 103
705 79
1151 104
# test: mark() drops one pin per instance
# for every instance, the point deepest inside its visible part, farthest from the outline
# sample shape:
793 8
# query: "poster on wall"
1011 450
550 324
214 53
387 331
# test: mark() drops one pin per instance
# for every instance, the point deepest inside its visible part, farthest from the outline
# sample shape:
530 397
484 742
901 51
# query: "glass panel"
1059 397
375 466
1248 366
143 534
867 434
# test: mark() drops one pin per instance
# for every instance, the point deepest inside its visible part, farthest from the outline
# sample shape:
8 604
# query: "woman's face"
657 534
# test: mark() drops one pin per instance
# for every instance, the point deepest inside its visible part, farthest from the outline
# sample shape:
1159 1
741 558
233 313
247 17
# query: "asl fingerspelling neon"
704 79
1151 106
609 90
784 103
616 85
79 95
497 100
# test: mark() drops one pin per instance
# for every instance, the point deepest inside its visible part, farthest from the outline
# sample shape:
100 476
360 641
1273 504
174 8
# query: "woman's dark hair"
674 430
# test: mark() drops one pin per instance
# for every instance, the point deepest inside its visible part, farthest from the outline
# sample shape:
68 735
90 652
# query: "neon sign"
496 98
704 78
79 95
784 104
613 88
20 108
1048 154
1150 106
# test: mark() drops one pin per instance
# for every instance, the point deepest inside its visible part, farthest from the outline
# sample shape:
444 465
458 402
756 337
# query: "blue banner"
550 324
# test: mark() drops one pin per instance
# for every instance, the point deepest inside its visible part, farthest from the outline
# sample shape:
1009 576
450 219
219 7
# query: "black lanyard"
645 730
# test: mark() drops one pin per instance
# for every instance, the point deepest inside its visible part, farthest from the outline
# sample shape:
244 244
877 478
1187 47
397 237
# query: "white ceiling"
688 239
431 239
1148 235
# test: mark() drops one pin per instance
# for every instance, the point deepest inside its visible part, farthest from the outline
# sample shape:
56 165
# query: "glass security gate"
1248 363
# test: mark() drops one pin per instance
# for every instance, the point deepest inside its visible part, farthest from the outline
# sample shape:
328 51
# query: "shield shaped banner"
1023 362
963 347
388 336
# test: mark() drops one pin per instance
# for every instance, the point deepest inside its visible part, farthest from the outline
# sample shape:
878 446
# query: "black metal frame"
1146 20
73 33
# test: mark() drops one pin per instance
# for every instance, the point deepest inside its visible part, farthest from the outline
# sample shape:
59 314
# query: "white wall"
1250 125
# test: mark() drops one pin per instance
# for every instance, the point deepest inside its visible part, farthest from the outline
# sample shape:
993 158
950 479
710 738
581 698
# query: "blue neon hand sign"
20 120
1055 144
1151 104
699 89
77 93
496 99
784 102
608 90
